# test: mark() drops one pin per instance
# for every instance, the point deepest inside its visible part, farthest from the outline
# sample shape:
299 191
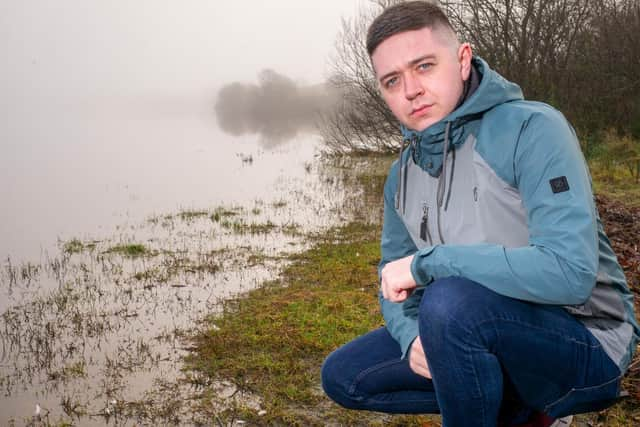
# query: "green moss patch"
272 341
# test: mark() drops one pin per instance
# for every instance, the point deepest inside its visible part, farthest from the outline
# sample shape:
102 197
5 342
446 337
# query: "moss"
272 341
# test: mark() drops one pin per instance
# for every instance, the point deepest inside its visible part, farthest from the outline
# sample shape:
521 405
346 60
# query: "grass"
132 250
221 212
192 214
616 183
272 341
614 161
76 246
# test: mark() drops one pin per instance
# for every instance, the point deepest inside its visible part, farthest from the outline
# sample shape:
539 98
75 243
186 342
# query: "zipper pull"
424 224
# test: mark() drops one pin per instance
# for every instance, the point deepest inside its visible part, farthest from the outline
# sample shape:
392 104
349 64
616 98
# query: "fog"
276 108
108 109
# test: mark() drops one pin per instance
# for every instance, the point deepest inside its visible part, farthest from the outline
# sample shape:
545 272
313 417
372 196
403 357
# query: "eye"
424 66
389 83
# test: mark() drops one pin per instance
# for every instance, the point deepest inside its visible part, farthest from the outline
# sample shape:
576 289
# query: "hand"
397 280
417 359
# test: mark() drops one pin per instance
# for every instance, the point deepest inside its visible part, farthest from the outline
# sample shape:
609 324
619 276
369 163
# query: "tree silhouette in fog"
276 108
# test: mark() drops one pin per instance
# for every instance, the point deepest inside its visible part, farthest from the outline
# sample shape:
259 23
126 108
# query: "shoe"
543 420
562 422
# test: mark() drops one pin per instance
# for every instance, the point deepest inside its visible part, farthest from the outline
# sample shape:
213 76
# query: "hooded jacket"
498 192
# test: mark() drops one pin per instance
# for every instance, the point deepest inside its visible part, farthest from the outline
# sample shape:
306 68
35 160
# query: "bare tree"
361 121
528 41
581 56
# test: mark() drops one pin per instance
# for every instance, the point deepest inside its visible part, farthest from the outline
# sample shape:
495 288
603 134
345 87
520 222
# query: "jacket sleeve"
400 318
559 264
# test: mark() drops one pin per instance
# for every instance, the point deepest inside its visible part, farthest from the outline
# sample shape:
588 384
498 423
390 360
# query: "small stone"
262 413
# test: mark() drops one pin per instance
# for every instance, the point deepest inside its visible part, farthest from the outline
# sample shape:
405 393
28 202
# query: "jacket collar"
427 146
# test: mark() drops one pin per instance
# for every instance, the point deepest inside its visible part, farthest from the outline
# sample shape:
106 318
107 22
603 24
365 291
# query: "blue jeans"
493 360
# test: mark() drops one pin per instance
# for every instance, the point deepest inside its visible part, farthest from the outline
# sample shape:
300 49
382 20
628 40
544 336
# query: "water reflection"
276 108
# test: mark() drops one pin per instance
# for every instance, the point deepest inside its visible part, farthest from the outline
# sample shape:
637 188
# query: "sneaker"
562 422
543 420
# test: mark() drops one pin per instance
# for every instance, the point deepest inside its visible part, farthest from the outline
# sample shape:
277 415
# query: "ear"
464 58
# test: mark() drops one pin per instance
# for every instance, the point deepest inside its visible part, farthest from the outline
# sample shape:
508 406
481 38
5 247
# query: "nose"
412 88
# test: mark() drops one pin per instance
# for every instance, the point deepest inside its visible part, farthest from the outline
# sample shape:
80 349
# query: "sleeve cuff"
407 340
417 270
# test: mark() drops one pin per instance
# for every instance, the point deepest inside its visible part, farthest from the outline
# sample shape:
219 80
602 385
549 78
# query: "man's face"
421 75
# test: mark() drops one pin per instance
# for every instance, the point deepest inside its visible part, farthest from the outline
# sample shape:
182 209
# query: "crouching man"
503 301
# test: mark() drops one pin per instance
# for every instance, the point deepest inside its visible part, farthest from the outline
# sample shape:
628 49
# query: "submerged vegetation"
130 250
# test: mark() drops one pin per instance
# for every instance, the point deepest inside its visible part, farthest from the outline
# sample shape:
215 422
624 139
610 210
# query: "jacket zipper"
425 235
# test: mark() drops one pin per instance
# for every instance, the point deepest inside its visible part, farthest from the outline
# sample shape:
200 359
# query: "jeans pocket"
585 399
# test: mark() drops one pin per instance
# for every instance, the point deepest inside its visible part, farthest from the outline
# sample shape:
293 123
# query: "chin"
420 126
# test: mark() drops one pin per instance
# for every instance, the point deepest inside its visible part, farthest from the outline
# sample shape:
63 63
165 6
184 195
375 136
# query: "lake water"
107 108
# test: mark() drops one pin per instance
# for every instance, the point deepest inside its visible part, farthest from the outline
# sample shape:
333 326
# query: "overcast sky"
106 106
99 46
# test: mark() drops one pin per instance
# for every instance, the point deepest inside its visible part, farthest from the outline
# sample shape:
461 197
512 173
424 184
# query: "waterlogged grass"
191 215
174 265
222 212
131 250
271 342
241 226
76 246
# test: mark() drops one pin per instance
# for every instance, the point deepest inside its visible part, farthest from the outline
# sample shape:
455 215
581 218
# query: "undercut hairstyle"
409 16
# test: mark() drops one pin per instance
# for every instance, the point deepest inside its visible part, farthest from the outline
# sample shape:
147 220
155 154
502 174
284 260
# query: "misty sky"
107 106
93 47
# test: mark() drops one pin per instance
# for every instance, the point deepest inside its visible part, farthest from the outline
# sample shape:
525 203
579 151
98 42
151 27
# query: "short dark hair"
409 16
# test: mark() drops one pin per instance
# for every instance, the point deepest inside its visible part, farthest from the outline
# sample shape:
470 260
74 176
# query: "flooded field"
129 209
91 334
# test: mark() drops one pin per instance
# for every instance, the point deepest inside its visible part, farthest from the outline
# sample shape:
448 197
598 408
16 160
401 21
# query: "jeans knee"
445 298
334 383
454 305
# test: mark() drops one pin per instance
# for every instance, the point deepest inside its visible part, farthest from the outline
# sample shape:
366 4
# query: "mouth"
420 111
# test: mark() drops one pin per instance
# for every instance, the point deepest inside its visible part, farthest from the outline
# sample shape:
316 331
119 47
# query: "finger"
401 295
397 295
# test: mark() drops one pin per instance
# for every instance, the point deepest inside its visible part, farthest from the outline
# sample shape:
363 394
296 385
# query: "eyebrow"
410 64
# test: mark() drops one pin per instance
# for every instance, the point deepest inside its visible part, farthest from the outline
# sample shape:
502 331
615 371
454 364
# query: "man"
503 301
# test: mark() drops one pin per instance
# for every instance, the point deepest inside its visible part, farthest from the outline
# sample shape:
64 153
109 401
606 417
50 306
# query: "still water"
107 108
109 137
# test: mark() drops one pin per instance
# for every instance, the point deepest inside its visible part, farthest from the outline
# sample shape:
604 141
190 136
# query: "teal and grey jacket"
498 192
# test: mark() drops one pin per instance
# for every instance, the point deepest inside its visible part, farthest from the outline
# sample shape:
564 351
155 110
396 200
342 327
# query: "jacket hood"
428 144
